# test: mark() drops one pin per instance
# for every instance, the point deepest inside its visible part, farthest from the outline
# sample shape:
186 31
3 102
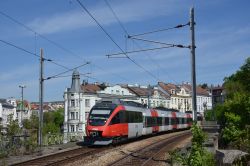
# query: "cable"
143 50
55 76
31 53
157 42
47 39
116 16
126 32
20 48
160 30
38 34
86 10
70 75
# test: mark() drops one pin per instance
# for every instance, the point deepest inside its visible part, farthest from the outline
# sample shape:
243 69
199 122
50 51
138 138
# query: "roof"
92 88
5 104
199 89
167 87
139 91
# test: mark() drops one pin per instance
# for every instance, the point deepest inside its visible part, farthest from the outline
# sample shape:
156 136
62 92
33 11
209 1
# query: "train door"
135 124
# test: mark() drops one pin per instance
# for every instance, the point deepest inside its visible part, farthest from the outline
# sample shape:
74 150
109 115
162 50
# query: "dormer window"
172 91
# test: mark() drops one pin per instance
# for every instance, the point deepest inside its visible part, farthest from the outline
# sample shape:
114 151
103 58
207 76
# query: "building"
181 97
218 95
7 109
150 96
23 111
74 113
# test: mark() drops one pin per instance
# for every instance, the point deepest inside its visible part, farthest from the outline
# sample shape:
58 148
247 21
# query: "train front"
96 128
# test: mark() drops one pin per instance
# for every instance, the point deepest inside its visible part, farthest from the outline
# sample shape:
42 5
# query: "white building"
23 111
7 109
74 113
181 97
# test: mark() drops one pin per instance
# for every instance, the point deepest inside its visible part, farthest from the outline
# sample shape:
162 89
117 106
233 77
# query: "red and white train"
115 120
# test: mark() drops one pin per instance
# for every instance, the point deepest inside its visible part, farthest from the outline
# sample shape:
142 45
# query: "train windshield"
99 117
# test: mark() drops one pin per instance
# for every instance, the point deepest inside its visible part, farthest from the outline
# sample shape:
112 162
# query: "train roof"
115 102
166 109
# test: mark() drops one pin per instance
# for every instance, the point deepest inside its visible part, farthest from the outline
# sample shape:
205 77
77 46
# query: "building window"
72 103
72 94
122 92
77 115
117 92
72 115
112 91
77 103
87 103
72 128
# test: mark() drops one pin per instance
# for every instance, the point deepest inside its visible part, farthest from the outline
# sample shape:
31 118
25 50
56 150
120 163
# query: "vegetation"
234 114
196 155
18 140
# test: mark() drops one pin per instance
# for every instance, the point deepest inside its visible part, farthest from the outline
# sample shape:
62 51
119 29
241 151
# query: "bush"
196 155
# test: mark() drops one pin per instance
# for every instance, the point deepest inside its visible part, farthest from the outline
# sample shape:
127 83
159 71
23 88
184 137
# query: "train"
112 121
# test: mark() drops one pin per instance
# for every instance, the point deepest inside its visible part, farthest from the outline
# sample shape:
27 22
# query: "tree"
197 155
13 126
234 114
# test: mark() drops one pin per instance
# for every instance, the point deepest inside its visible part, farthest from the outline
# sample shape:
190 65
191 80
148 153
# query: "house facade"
7 109
181 97
74 113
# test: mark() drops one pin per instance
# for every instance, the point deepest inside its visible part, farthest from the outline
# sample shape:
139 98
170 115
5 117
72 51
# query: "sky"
70 37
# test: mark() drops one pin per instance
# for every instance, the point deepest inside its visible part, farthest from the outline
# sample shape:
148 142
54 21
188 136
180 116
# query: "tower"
74 113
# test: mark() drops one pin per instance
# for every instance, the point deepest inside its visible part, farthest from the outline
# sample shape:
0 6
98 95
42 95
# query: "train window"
149 121
122 116
167 121
154 121
177 121
159 121
131 117
173 121
115 119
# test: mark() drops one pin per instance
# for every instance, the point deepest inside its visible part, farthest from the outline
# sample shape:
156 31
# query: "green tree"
234 114
13 126
197 155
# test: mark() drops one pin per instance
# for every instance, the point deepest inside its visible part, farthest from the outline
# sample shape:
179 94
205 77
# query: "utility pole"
22 87
193 73
40 140
149 94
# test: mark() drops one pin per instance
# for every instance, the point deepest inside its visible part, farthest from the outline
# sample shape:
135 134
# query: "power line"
20 48
86 10
71 75
136 51
124 29
38 34
160 30
157 42
42 36
31 53
126 32
56 75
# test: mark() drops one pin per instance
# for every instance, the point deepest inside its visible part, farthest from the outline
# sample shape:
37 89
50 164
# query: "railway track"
148 155
62 157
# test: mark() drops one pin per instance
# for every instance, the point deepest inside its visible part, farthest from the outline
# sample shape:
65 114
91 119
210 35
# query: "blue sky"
222 40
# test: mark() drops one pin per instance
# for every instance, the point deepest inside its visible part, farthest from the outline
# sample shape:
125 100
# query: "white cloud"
127 11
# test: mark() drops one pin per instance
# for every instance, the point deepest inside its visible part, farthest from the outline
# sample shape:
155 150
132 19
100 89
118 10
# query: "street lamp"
22 87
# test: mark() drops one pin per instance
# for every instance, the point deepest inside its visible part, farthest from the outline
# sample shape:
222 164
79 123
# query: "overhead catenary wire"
160 30
31 53
38 34
158 42
109 36
56 75
45 38
136 51
127 35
